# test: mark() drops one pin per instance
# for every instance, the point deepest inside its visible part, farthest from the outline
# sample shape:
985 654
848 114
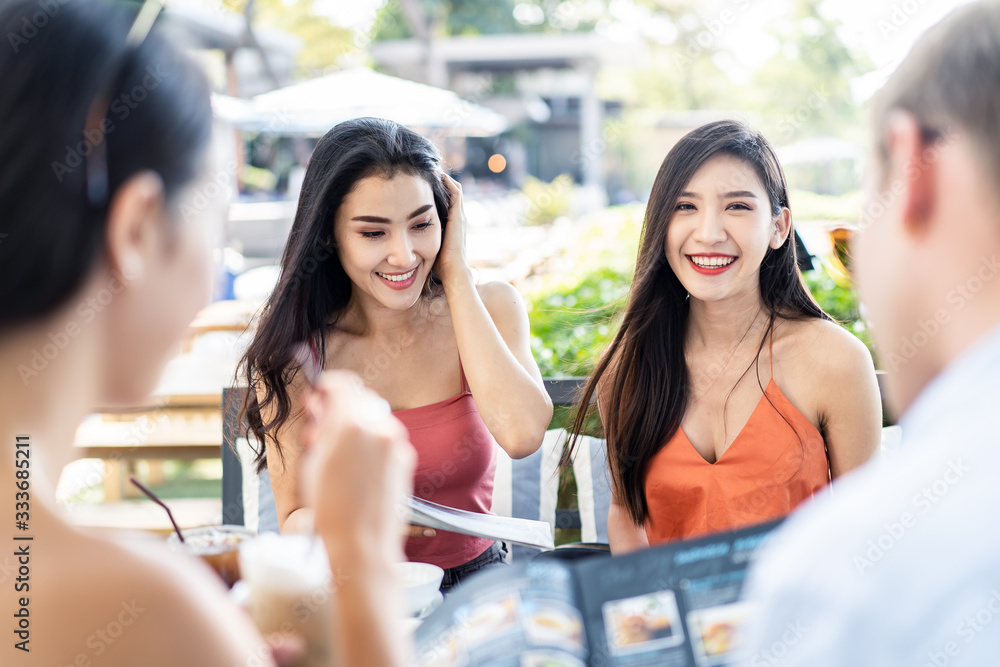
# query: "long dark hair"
313 289
643 369
53 66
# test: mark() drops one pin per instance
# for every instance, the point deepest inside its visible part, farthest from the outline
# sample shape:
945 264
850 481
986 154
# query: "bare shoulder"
824 370
133 599
499 293
502 300
194 603
823 348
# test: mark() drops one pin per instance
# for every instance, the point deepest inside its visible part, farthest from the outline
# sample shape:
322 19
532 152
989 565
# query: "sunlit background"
554 115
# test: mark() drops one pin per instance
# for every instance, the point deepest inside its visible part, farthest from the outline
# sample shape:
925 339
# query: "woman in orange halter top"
728 396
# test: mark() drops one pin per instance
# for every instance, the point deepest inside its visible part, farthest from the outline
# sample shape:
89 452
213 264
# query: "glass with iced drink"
291 591
219 546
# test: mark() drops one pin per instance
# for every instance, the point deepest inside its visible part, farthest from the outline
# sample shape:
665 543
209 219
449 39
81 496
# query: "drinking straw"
159 502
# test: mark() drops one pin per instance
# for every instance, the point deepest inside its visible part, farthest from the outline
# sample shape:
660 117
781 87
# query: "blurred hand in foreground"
358 467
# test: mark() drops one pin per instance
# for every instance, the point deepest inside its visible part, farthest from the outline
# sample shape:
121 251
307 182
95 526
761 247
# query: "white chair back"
892 436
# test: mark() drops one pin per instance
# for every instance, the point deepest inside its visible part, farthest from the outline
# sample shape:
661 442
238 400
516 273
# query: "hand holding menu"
525 532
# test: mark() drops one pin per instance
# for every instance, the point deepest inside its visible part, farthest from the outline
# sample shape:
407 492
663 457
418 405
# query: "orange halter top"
777 461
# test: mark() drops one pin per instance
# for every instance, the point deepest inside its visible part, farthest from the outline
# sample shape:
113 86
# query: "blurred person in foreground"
104 260
901 566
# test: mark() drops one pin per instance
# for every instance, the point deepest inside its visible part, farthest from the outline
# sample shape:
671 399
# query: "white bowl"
420 583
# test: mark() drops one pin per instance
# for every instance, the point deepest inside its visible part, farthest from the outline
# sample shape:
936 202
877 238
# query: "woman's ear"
134 217
782 224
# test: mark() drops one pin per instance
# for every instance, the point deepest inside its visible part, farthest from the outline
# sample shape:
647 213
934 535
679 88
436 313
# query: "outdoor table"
177 426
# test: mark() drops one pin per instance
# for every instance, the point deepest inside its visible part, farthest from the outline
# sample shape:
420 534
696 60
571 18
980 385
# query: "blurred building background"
554 114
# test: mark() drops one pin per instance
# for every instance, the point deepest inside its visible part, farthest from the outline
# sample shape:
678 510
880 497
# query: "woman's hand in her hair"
357 470
451 264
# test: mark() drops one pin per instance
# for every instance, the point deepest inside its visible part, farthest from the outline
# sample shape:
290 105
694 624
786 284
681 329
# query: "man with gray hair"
902 565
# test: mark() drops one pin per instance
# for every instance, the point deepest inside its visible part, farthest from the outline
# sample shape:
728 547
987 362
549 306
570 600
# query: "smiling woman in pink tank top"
374 276
728 397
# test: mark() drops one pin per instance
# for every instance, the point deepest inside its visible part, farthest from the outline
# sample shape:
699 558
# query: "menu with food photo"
676 605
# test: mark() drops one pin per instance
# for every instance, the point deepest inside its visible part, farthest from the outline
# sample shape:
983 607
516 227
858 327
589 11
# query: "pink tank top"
456 462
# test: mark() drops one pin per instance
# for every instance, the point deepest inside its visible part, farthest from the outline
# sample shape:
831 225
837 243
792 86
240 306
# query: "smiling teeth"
399 278
713 262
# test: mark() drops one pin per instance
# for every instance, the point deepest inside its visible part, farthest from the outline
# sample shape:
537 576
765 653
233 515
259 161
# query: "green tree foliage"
547 201
840 301
450 18
683 73
571 324
323 42
805 89
474 17
574 308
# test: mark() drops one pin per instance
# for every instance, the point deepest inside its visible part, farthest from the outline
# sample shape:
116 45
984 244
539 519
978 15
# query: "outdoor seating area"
499 333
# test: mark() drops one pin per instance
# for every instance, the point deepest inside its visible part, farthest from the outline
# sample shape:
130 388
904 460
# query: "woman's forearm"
514 404
623 535
368 627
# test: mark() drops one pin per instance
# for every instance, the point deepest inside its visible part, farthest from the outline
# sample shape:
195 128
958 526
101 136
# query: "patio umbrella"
235 110
314 106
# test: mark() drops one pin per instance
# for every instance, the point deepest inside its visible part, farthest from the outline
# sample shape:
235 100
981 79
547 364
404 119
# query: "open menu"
525 532
677 605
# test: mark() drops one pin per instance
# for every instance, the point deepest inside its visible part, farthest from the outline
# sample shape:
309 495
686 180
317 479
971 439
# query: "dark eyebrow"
725 195
375 218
